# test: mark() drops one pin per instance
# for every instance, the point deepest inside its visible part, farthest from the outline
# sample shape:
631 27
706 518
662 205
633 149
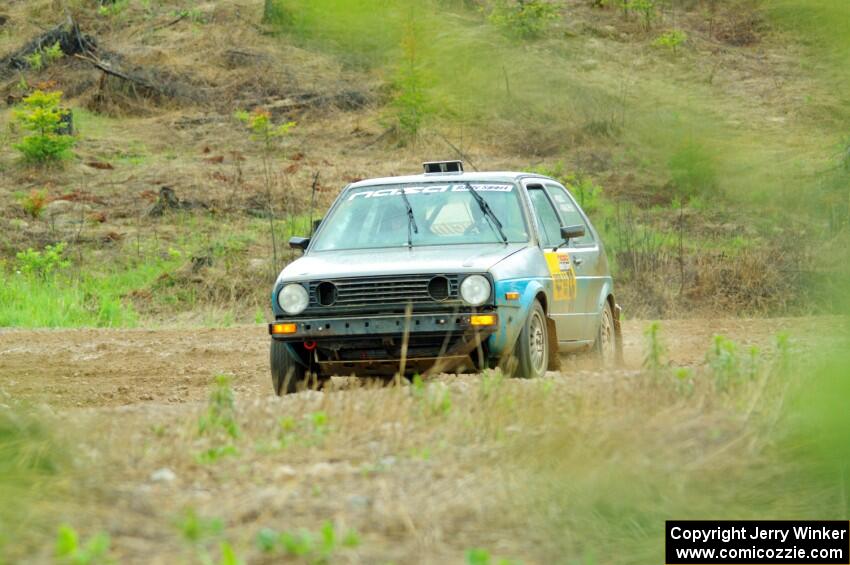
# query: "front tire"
532 351
288 375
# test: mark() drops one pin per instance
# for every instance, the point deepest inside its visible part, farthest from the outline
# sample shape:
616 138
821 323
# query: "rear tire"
288 375
532 350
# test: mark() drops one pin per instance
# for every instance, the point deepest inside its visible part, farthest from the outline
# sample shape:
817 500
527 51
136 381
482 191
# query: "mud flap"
618 334
554 357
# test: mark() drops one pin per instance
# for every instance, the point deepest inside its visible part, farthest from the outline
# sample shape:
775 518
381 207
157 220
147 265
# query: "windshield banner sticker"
431 189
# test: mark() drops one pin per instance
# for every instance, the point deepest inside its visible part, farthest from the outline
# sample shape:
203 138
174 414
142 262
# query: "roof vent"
440 167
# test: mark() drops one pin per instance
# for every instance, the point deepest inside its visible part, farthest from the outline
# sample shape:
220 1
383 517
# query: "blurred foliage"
322 546
32 461
818 434
525 19
692 171
408 108
467 76
72 550
671 39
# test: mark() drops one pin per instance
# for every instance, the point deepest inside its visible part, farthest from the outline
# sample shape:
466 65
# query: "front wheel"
288 375
532 351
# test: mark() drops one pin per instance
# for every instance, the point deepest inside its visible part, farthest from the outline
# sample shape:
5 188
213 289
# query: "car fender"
513 313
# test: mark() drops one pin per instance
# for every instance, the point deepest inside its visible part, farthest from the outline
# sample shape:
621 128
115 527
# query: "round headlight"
475 290
293 298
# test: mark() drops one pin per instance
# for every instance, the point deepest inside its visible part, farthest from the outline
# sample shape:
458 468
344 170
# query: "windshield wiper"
488 213
411 221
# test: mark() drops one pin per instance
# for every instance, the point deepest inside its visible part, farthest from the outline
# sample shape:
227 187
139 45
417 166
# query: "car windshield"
442 214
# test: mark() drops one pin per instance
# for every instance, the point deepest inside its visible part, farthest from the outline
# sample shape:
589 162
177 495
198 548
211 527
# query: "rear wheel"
532 351
288 375
606 338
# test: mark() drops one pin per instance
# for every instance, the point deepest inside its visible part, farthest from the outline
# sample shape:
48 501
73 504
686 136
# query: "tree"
41 115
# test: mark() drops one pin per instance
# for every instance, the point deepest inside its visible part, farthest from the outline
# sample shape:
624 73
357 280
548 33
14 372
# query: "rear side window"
547 219
570 216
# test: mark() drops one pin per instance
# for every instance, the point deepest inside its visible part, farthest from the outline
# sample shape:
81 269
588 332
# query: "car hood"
398 261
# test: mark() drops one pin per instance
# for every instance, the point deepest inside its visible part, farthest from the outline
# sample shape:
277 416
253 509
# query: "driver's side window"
570 214
548 223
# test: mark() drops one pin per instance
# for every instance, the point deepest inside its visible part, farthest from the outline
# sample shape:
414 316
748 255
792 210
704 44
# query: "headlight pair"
294 299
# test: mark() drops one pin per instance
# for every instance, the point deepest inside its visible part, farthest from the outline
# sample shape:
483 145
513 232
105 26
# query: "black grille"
387 290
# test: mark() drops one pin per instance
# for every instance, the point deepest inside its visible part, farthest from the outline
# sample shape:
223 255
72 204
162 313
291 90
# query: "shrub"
196 529
478 556
220 415
783 355
268 135
693 171
653 360
34 203
113 8
310 431
40 114
409 106
44 57
42 264
435 399
671 39
259 121
69 548
218 422
276 14
646 8
588 193
526 19
314 547
724 362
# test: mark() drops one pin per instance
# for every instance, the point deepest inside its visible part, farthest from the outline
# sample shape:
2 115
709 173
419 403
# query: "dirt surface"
90 368
422 475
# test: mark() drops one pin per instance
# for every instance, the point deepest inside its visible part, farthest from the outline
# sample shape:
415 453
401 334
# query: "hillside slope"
689 159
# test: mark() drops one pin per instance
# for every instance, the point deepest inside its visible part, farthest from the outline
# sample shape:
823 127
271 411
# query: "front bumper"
375 345
378 326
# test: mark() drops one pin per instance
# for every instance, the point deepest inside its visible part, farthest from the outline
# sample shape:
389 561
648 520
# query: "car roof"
496 176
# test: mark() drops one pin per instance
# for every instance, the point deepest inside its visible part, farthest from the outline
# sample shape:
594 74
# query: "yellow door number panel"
563 274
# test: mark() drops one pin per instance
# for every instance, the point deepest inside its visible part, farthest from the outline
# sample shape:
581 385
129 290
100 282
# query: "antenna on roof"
441 167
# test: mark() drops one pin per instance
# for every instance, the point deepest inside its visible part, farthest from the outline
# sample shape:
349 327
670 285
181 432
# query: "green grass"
91 125
778 447
823 28
65 301
94 291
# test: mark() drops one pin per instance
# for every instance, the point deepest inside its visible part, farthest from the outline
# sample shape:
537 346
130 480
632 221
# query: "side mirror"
572 232
299 243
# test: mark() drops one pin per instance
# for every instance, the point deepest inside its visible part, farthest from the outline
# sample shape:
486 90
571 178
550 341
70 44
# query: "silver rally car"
443 271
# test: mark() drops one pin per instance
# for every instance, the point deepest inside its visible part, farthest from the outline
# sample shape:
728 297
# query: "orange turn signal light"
284 329
483 320
512 295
